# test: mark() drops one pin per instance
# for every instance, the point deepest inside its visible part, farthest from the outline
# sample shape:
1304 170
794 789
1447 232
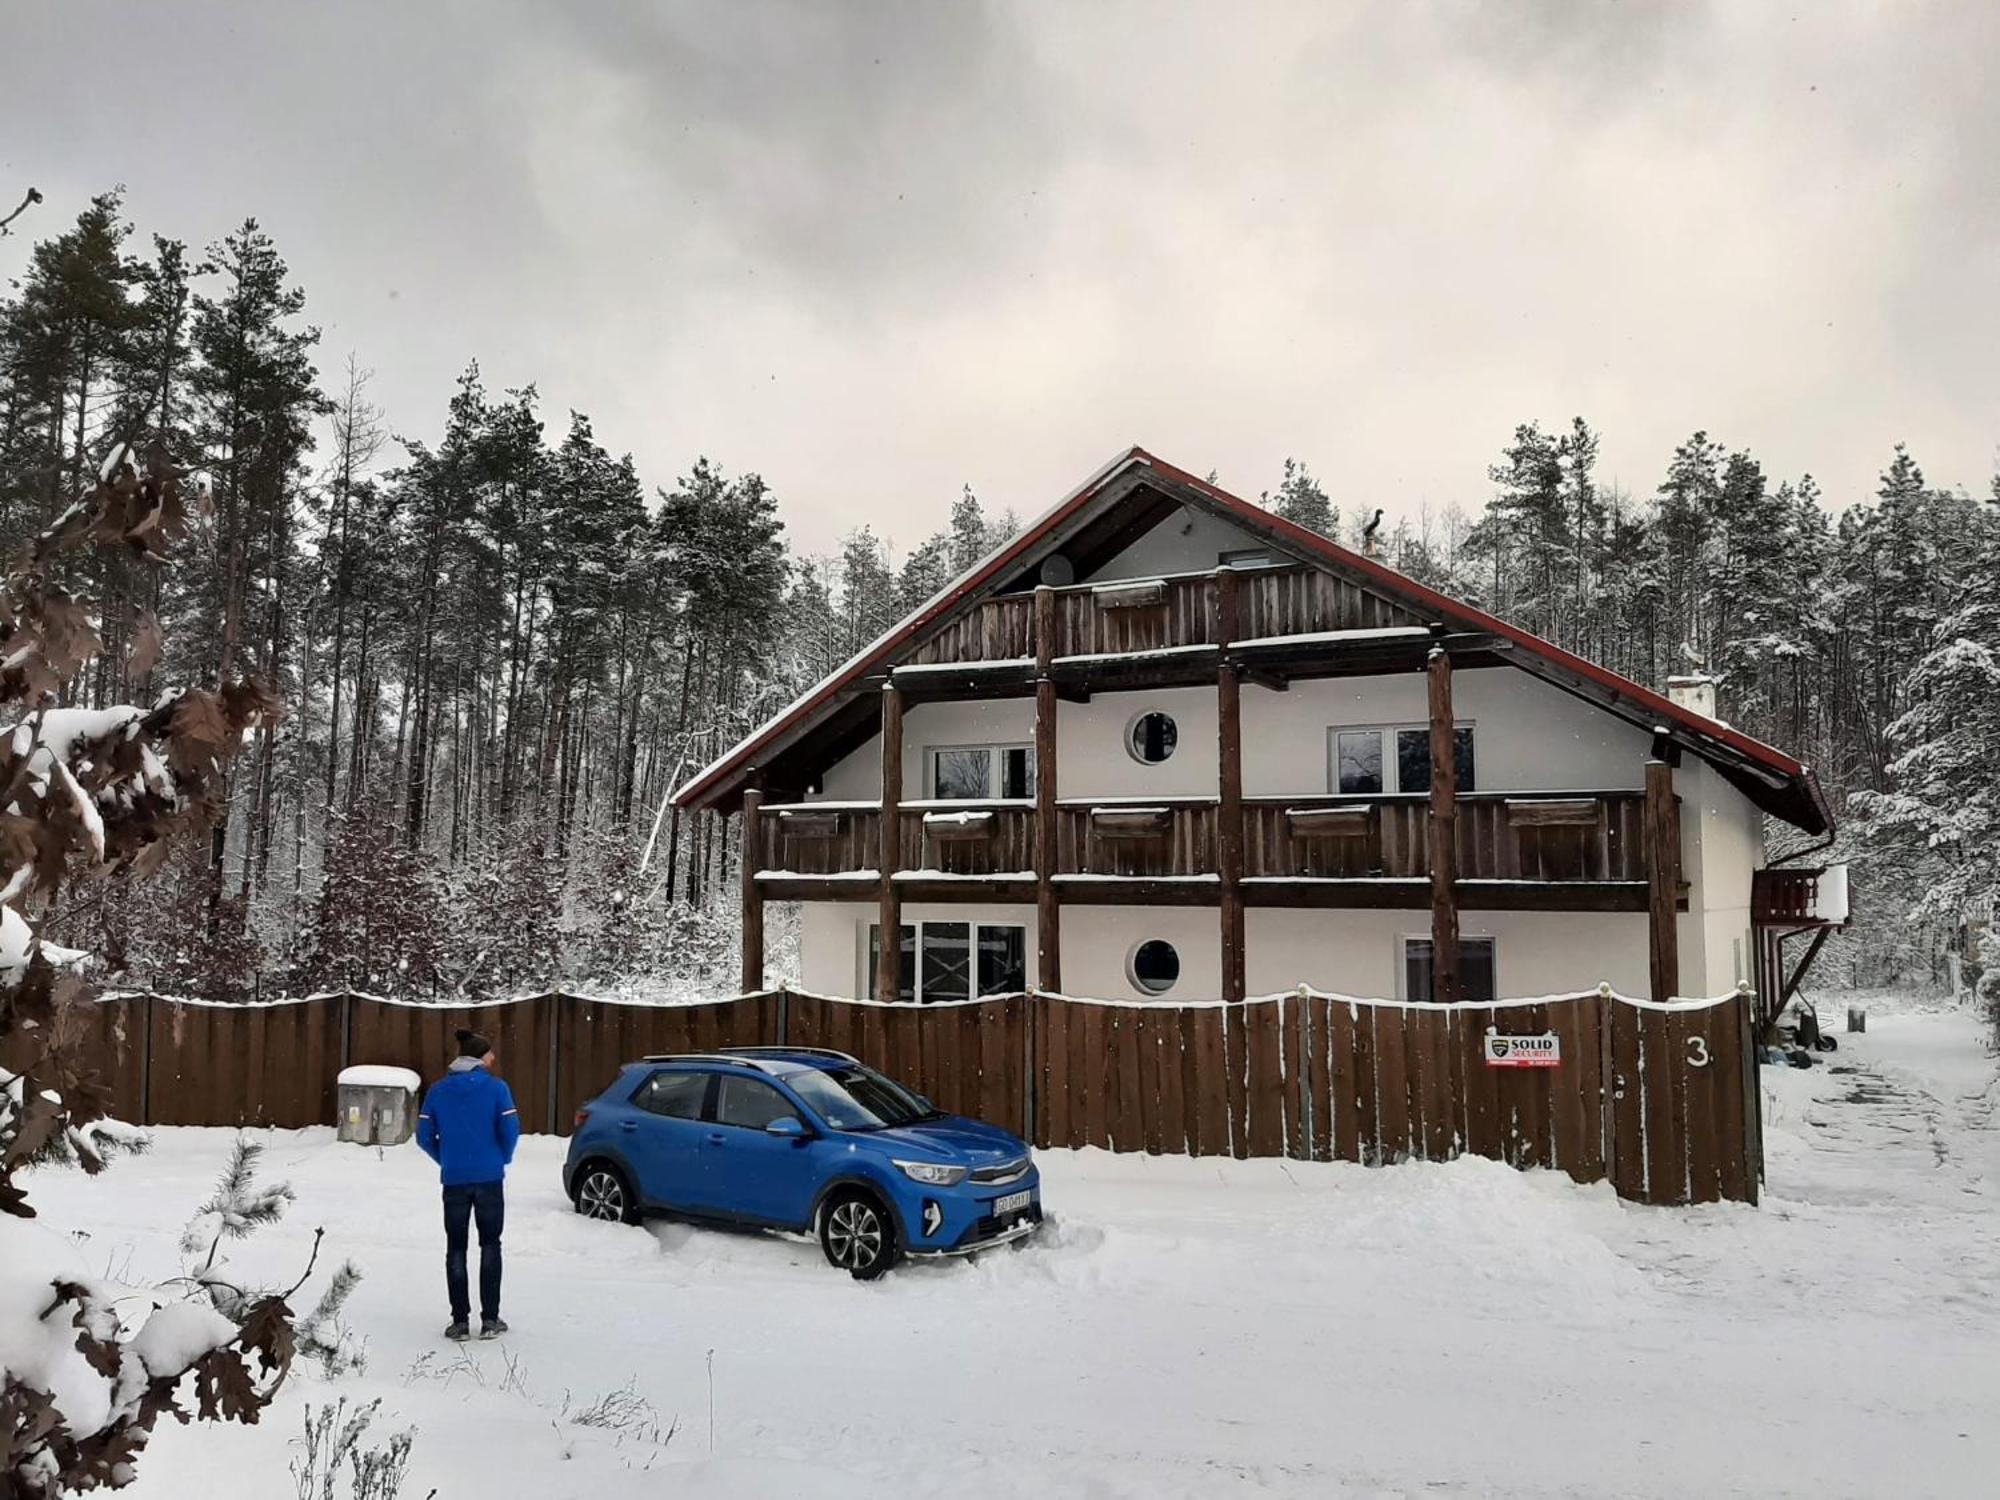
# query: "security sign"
1544 1051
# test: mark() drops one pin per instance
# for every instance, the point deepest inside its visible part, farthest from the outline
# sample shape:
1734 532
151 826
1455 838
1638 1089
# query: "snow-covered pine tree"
1943 795
85 1371
1301 501
383 922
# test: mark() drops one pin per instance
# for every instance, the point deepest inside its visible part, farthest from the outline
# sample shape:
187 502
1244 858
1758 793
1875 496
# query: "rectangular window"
1003 960
979 773
1358 757
942 960
1413 760
1247 557
1391 758
1475 964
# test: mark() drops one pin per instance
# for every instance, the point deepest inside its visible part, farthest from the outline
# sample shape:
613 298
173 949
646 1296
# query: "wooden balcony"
1792 896
1160 614
1579 851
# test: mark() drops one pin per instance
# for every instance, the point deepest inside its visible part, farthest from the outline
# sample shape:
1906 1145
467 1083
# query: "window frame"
1131 733
996 769
712 1106
1392 769
1132 967
1245 558
871 947
1403 941
702 1104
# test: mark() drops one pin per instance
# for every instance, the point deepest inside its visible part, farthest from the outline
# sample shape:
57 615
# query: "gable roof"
1775 781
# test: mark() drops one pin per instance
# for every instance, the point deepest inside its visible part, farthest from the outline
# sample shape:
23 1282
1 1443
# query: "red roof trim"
1310 543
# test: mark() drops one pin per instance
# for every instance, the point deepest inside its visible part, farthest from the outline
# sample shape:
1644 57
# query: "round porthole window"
1155 966
1152 737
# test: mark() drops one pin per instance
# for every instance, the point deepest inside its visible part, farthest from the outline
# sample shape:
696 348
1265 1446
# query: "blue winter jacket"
468 1124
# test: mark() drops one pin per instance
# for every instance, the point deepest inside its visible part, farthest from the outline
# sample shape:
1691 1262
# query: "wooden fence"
1660 1100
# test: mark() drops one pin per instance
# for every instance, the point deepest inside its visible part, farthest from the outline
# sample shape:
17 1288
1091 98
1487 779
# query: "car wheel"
602 1193
858 1235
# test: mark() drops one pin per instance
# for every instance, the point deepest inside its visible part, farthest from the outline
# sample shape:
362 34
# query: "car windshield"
851 1097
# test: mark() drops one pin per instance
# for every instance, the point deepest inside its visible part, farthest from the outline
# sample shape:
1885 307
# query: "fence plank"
1319 1075
1666 1159
1267 1086
1392 1140
1211 1108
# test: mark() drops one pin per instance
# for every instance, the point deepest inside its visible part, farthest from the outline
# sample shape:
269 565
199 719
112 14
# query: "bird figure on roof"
34 197
1368 543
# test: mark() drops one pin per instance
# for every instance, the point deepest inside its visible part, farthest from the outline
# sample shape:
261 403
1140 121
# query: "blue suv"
803 1140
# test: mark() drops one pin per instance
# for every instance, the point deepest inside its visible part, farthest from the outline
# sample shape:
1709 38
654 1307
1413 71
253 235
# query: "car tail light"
582 1119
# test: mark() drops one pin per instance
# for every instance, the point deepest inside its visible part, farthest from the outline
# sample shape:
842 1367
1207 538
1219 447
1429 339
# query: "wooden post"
889 842
750 855
1238 1043
1446 978
1229 808
1048 911
1663 878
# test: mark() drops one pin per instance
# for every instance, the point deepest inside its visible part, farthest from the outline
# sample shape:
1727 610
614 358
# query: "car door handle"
628 1124
717 1138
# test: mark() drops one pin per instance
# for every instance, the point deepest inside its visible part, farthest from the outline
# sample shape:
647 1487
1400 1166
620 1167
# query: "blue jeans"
485 1204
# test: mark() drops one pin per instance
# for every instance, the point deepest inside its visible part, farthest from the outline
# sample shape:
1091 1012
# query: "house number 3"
1697 1051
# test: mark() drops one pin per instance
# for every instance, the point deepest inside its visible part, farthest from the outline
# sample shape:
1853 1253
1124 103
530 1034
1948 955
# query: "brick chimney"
1695 692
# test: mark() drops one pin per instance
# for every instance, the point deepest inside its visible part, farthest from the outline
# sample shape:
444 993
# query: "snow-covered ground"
1194 1328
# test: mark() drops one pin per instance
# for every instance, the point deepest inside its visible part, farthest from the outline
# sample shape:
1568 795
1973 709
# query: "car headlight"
935 1173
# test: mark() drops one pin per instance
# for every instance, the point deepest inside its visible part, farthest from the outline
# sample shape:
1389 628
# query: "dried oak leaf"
39 1117
147 642
268 1332
198 734
223 1388
69 635
250 704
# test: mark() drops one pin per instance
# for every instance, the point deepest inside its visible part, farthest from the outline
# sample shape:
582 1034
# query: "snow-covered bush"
87 1367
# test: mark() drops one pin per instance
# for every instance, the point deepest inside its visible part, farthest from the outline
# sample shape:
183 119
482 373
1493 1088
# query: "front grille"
1001 1175
990 1228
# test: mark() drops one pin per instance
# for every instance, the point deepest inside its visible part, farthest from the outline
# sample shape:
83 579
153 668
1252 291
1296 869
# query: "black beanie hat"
472 1044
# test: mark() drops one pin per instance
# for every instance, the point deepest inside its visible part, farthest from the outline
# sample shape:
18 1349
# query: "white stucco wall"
1528 735
1353 952
1722 846
1192 542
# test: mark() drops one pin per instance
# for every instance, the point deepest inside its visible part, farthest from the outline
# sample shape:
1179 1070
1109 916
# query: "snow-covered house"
1165 744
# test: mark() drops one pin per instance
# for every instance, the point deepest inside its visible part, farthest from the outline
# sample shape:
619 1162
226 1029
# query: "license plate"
1013 1203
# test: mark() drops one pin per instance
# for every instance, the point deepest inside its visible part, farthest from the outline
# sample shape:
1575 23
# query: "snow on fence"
1661 1100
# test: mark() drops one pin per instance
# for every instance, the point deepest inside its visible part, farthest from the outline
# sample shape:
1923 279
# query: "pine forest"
500 646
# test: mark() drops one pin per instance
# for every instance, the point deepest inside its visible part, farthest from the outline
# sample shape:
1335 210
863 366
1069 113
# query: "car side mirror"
786 1125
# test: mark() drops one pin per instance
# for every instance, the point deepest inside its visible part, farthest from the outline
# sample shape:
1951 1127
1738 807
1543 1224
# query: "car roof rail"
704 1057
788 1052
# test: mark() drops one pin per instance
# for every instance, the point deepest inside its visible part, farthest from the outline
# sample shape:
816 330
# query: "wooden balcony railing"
1530 837
1156 614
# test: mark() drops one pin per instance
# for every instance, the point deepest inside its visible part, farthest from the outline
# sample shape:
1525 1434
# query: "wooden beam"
750 855
1663 873
1446 972
1307 892
1229 811
888 961
1048 909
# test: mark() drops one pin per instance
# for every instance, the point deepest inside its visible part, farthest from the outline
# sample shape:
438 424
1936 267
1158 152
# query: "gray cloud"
879 250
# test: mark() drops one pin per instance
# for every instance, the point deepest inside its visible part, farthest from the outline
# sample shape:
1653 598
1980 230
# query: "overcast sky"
879 250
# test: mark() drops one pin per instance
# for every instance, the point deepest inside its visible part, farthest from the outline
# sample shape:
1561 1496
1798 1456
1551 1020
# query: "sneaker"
492 1328
458 1333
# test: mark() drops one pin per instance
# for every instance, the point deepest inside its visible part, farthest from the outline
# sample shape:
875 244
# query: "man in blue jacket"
468 1126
